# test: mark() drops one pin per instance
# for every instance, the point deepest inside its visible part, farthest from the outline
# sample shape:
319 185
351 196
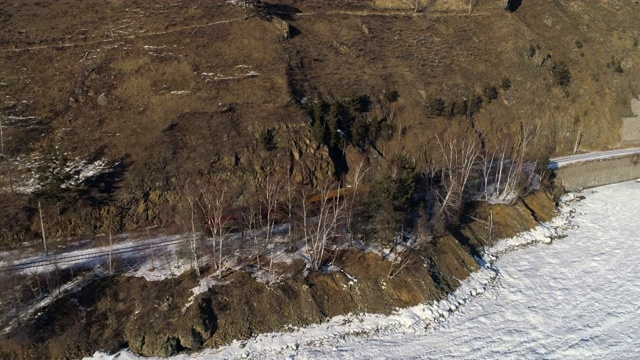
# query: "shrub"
476 104
383 130
319 131
616 65
357 104
461 107
436 106
561 74
451 109
391 96
618 68
490 92
506 83
579 44
267 139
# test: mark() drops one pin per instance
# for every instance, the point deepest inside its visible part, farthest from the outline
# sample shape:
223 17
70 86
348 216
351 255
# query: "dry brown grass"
341 49
131 64
432 5
394 4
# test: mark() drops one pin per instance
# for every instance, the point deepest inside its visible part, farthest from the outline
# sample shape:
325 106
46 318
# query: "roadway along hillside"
597 168
561 161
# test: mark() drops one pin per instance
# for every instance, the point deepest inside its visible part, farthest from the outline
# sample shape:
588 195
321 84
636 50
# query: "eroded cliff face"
154 318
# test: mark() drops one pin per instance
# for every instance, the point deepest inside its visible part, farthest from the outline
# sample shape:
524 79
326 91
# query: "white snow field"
576 297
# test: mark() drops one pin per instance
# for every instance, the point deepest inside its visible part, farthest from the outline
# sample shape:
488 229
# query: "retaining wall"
630 131
599 172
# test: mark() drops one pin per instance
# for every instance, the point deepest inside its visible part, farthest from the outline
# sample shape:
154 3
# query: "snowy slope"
575 298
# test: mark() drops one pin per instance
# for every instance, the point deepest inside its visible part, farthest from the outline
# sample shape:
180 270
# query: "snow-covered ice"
576 297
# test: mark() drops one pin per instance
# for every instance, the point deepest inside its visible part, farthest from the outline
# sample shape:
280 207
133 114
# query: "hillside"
139 97
281 147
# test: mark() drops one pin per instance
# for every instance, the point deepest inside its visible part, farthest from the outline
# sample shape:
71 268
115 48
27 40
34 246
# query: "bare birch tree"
459 158
1 140
578 139
488 227
291 194
187 220
487 163
214 203
152 248
110 255
506 169
44 237
250 224
350 201
270 198
3 155
401 260
517 177
193 243
320 221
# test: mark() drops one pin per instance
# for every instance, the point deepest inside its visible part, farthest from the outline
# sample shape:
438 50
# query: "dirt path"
386 13
195 27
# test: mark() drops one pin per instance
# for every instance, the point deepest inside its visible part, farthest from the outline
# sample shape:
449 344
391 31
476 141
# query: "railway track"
124 249
54 260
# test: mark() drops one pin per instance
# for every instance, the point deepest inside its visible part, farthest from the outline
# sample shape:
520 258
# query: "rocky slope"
151 318
163 93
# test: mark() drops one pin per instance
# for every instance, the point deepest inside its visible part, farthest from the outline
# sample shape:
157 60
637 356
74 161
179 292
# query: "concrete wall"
602 172
631 125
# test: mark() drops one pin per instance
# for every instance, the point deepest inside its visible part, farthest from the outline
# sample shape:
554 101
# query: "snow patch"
220 77
78 170
204 286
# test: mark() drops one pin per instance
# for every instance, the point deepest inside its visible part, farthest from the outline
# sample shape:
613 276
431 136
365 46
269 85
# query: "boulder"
102 99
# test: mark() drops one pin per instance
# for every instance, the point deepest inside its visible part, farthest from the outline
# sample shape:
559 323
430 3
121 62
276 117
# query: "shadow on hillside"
339 159
513 5
98 190
282 12
456 231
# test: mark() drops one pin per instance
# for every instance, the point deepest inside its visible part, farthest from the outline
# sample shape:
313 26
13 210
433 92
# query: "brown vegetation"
178 91
151 318
200 108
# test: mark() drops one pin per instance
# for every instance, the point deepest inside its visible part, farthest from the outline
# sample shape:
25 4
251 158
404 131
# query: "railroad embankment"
630 131
161 318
